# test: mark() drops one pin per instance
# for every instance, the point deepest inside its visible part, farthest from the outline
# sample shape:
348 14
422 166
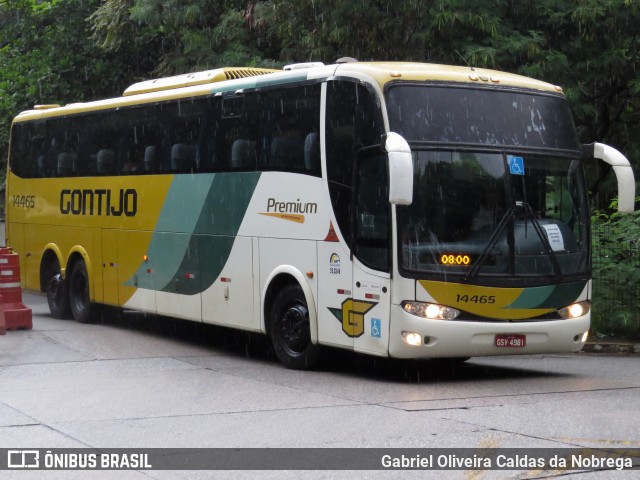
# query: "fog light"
576 310
430 310
412 338
585 335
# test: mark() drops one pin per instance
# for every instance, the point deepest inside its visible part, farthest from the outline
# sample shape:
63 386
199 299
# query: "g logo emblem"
352 316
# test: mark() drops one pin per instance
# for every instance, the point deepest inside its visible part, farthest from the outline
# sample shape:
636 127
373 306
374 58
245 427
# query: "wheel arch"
50 252
278 279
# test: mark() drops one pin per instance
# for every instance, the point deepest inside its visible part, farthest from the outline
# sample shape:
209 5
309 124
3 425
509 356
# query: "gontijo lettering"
99 202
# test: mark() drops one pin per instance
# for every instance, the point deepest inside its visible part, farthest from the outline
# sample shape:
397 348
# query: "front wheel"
79 296
290 330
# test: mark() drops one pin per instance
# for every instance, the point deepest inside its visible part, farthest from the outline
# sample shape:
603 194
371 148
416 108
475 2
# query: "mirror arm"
621 168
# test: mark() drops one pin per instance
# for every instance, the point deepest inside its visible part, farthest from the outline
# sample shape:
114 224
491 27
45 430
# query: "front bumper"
459 338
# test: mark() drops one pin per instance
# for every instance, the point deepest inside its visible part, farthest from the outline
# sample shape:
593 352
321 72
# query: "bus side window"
42 167
150 159
105 163
286 153
28 153
289 116
67 164
236 139
243 154
183 158
312 152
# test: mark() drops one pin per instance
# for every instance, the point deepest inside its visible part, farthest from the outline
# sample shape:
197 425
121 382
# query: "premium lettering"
99 202
273 206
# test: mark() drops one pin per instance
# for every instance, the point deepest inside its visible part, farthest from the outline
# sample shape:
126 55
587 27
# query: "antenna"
465 61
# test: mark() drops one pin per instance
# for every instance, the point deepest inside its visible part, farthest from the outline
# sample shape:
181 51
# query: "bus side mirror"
622 170
400 169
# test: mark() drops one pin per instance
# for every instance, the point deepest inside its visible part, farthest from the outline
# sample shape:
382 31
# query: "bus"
402 210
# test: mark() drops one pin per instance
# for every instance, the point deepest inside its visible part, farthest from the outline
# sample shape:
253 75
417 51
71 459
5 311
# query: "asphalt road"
136 381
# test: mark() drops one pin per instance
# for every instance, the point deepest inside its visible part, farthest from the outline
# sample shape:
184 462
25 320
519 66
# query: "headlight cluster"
576 310
430 310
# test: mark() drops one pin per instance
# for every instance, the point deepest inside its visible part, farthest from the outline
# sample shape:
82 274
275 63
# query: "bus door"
372 254
370 310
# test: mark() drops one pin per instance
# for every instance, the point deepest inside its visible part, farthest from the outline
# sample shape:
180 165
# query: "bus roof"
239 78
385 72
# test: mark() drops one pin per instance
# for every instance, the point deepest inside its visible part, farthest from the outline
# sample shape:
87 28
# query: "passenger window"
237 133
291 120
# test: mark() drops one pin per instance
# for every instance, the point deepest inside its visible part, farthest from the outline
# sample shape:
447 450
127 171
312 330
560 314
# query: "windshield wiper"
528 211
504 221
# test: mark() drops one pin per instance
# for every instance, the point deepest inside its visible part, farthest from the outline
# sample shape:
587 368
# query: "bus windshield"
477 213
445 115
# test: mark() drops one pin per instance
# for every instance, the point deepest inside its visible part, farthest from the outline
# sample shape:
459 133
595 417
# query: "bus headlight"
576 310
430 310
412 338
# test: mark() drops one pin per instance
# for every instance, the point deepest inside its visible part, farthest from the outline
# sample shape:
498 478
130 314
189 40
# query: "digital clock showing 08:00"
456 259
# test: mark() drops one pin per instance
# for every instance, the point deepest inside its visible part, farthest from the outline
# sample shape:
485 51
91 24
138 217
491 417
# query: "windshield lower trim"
495 280
495 148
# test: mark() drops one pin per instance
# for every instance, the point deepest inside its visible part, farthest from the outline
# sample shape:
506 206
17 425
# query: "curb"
626 347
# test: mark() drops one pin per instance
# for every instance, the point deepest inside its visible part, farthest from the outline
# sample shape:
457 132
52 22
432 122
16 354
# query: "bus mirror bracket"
621 168
400 169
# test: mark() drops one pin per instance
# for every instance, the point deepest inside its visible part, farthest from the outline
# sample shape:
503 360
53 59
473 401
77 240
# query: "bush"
616 273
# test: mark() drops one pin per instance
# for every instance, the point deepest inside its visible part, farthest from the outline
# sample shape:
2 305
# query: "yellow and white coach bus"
395 209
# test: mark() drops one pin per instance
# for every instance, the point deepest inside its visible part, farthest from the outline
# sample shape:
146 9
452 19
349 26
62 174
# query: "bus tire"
57 289
79 296
290 331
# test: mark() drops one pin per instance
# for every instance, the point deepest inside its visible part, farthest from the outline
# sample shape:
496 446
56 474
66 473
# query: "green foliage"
616 273
47 57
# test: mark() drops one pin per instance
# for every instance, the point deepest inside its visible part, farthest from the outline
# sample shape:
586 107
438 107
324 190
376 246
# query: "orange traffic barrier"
16 315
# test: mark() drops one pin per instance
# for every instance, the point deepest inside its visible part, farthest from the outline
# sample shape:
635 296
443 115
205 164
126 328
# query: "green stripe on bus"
215 232
195 231
564 294
532 297
551 296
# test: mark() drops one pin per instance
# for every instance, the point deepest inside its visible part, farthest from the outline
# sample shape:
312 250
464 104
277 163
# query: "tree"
48 57
182 36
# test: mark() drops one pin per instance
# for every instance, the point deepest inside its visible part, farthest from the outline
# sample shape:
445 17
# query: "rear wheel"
57 291
290 330
79 296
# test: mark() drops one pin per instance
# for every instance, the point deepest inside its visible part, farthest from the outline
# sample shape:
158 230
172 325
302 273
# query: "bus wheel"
57 292
79 298
289 330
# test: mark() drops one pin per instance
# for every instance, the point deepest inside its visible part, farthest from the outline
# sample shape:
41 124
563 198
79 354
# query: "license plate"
510 341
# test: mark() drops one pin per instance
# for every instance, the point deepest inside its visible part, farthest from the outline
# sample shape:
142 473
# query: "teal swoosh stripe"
180 212
532 297
552 296
215 232
564 294
208 210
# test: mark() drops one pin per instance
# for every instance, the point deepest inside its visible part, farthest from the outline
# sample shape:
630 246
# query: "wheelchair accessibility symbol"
516 165
376 328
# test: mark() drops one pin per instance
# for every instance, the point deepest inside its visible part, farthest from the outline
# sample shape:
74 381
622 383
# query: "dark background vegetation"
65 51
